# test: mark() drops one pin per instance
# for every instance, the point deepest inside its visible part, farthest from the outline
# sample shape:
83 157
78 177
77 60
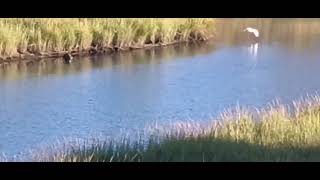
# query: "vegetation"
272 134
43 36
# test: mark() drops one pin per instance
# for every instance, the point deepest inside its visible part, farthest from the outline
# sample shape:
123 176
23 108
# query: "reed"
275 133
35 36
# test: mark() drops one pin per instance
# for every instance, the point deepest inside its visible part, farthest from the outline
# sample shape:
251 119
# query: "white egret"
252 30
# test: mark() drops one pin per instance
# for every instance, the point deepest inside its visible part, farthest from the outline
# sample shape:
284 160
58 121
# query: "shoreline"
91 51
38 38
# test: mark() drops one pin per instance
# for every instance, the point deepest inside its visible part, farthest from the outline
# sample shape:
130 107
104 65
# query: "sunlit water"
41 102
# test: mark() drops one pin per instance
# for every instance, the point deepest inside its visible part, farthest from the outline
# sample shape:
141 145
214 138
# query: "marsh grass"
275 133
46 35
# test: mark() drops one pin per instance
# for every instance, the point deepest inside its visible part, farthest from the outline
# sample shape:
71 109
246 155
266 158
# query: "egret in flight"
252 30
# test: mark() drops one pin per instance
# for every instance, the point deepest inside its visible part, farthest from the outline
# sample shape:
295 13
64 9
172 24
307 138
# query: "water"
122 93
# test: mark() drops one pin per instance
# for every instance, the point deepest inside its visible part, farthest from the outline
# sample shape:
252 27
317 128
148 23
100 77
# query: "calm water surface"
47 100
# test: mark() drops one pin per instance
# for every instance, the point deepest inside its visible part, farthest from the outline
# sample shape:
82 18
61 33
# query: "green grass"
275 133
47 35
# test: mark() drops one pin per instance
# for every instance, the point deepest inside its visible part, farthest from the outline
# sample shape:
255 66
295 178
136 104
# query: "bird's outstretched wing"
252 30
256 33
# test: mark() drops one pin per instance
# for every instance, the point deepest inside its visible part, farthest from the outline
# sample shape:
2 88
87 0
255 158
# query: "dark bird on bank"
93 50
67 58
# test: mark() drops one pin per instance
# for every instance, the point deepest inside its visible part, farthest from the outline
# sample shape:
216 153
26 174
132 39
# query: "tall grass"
39 35
276 133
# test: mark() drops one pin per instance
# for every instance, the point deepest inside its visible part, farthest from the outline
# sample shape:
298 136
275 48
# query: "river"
43 101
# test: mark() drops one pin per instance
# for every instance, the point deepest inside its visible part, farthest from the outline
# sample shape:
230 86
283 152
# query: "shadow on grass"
196 150
224 150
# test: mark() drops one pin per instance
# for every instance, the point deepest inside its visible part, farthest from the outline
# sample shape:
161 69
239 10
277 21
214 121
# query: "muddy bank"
30 56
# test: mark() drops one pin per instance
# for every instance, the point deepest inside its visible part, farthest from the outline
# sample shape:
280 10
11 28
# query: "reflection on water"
252 54
253 50
45 100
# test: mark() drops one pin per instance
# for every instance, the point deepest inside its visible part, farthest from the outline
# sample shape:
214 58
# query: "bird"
67 58
254 33
252 30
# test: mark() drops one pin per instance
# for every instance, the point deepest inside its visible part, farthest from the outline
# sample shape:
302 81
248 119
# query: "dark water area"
46 100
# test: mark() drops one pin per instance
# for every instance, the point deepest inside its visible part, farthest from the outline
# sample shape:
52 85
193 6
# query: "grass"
47 35
276 133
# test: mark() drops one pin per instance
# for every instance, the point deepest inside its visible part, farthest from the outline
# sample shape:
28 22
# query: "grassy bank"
271 134
23 38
